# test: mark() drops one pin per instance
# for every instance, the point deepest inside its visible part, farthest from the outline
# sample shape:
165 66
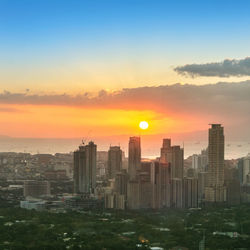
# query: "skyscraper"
85 169
161 184
216 191
173 155
202 184
176 193
165 150
190 193
200 161
177 161
114 161
140 192
121 182
134 156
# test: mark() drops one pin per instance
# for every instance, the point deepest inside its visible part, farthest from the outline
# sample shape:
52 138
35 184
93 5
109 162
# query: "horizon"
150 147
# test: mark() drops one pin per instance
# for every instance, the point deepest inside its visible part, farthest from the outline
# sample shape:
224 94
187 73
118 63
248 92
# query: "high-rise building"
134 156
233 192
190 172
196 161
165 150
114 161
145 190
102 164
190 193
177 160
240 169
215 191
204 159
139 193
154 178
161 181
176 193
133 194
173 155
202 184
121 182
146 167
246 170
200 161
85 169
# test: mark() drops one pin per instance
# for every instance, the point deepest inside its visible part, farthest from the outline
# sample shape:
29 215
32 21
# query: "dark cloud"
226 68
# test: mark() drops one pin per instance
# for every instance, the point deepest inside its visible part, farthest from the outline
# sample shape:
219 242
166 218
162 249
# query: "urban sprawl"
87 178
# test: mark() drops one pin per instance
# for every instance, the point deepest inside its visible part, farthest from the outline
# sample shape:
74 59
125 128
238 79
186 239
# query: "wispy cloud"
225 68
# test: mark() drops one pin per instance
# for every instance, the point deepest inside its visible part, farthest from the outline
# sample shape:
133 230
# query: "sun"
143 125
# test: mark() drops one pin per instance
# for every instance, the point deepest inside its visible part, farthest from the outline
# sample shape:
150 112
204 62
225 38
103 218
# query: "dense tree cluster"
27 229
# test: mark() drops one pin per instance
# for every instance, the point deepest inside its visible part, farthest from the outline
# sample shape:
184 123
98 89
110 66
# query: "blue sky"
55 44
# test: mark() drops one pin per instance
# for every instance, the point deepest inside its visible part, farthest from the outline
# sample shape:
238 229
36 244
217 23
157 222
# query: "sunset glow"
57 121
76 71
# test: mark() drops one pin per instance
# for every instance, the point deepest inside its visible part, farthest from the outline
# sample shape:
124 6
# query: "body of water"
233 149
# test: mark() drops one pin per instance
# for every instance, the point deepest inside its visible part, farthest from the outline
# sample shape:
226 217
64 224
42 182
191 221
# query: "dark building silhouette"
173 155
114 161
134 156
121 182
85 169
190 193
215 191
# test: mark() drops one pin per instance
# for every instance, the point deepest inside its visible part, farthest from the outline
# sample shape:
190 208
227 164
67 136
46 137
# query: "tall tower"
161 184
134 156
114 161
177 161
121 182
85 169
165 150
173 155
215 192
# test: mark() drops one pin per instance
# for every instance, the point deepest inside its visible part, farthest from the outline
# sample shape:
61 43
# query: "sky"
71 67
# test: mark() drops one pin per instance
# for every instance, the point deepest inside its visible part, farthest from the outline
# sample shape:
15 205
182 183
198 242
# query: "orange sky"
66 122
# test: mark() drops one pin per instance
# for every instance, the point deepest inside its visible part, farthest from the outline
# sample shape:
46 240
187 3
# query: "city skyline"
124 124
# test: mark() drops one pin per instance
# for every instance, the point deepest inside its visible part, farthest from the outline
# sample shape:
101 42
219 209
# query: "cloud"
226 103
226 68
210 99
